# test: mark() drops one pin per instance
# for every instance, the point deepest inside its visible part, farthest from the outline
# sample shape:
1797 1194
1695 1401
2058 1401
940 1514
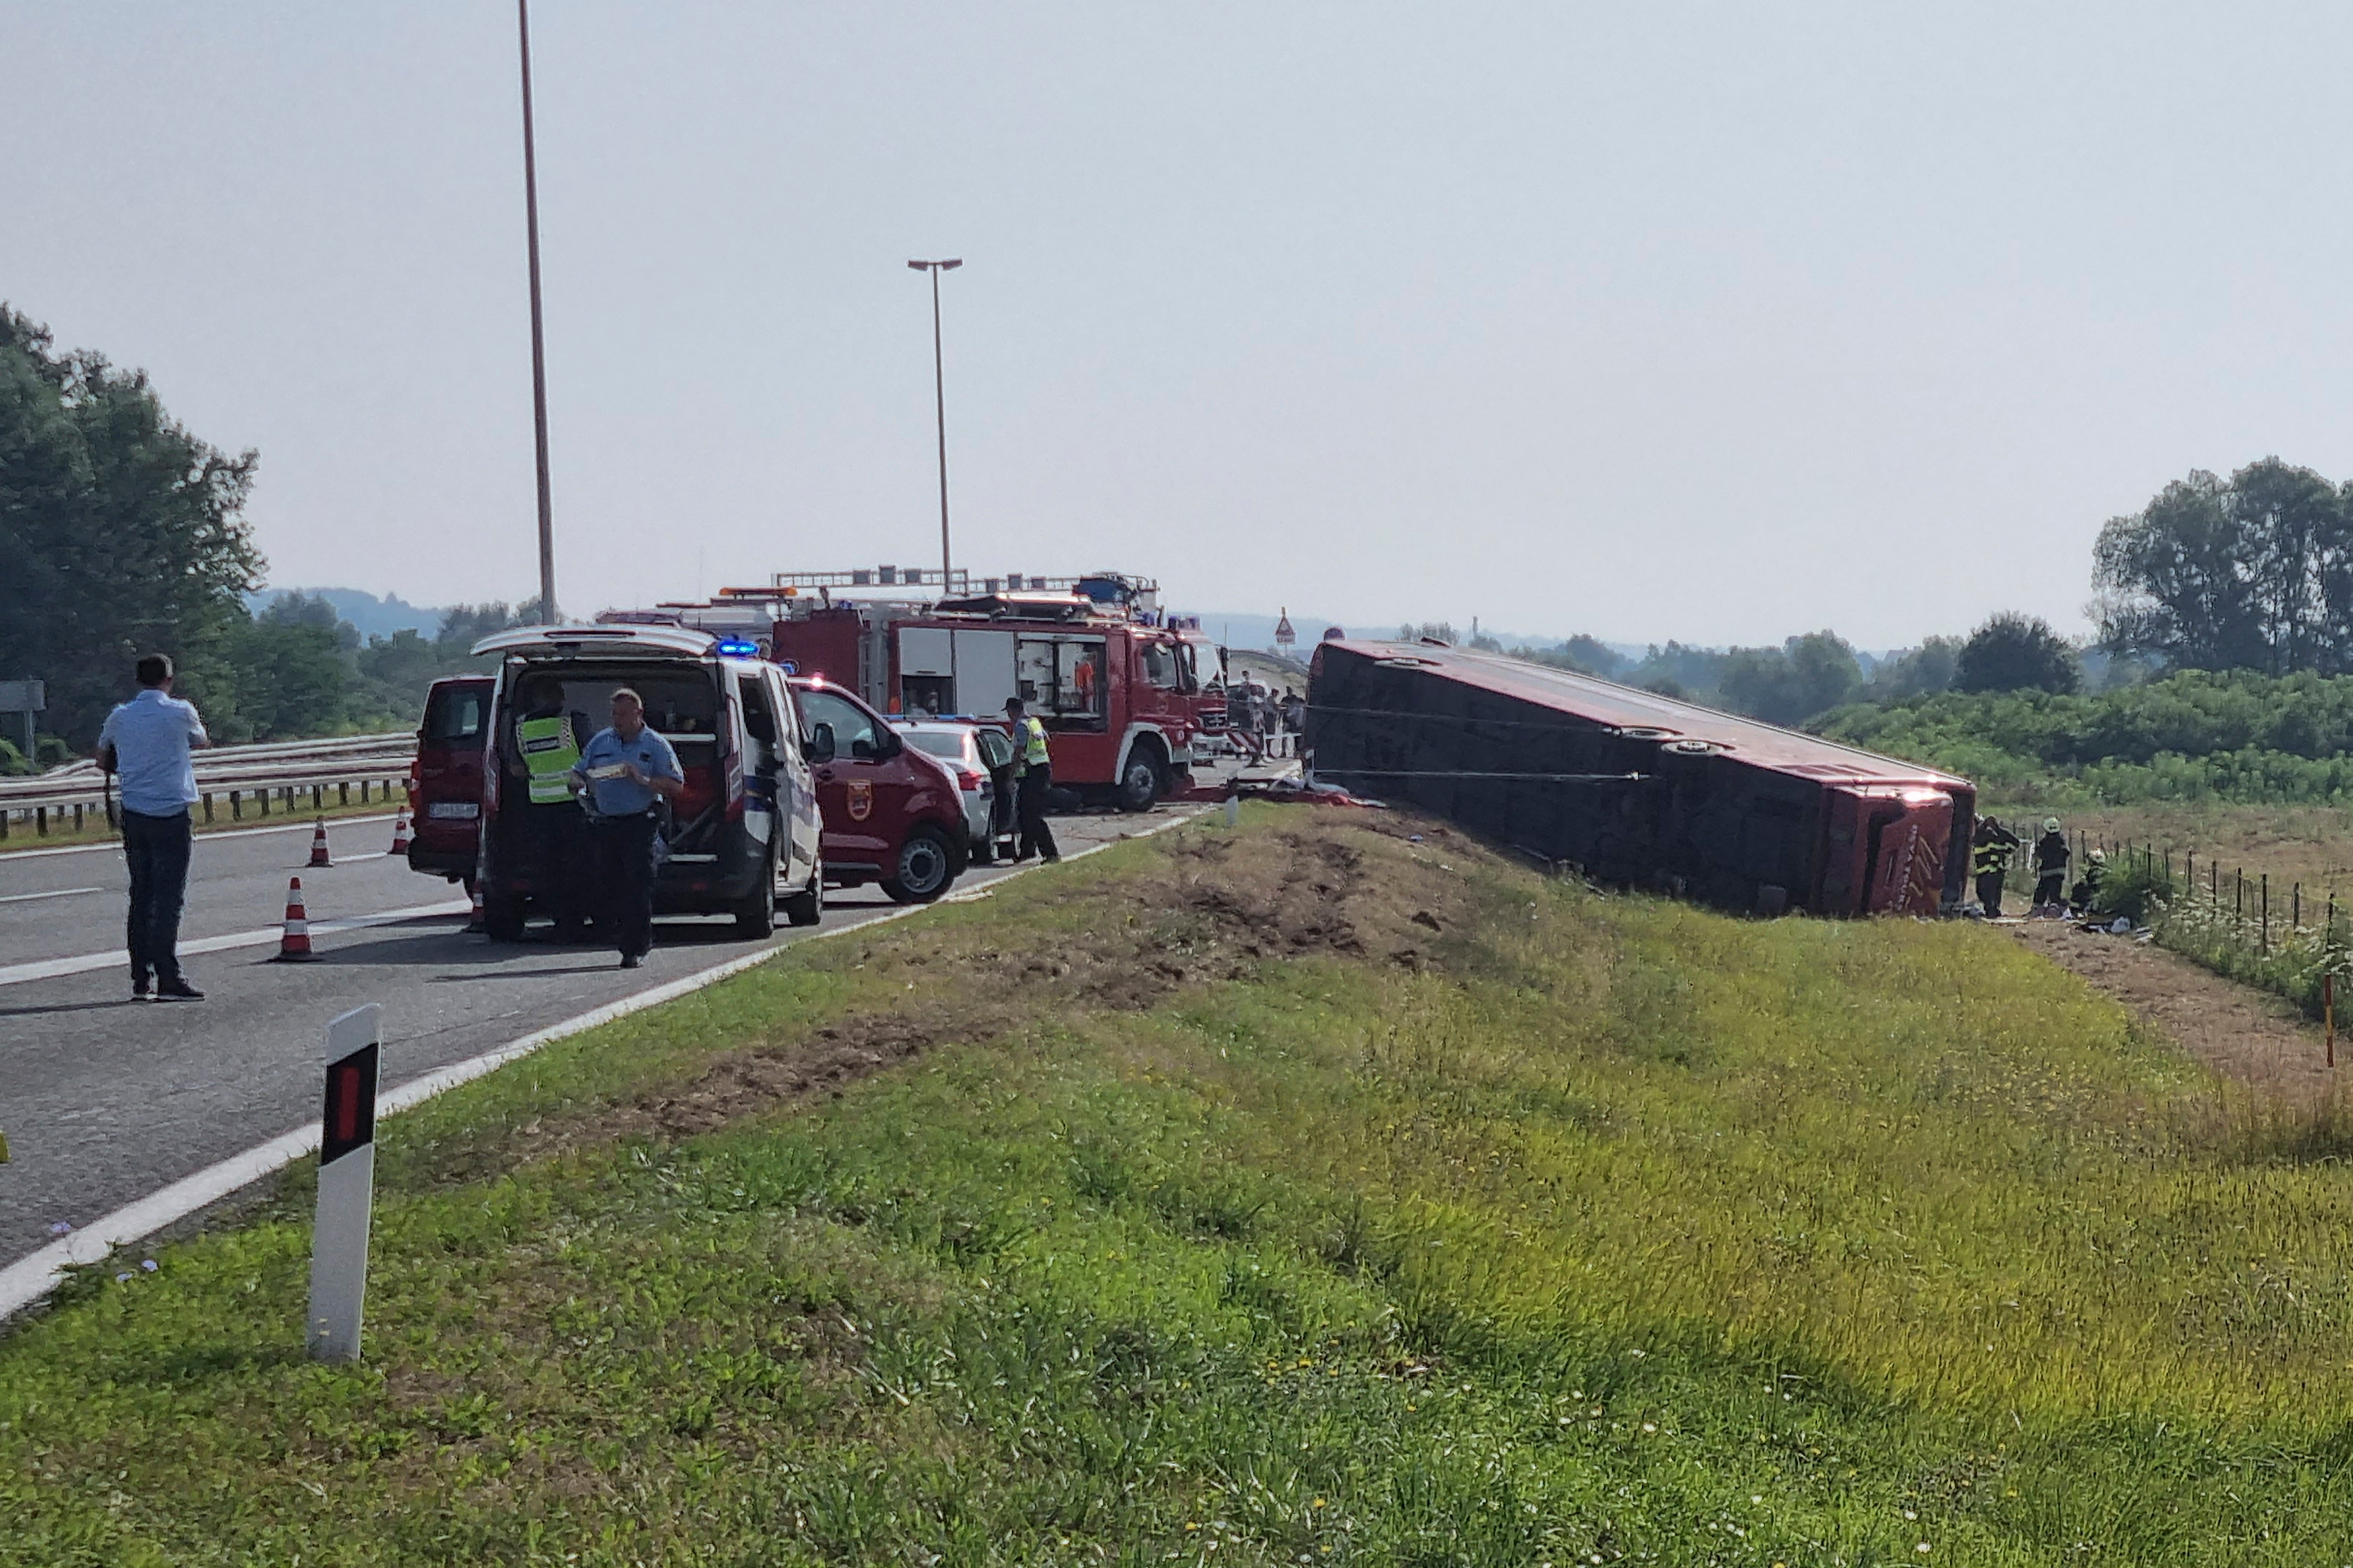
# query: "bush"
51 751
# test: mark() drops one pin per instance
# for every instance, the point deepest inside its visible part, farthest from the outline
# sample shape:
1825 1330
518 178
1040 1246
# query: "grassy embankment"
1203 1203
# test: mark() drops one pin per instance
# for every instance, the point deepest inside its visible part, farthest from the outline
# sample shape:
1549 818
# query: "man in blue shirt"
145 744
629 768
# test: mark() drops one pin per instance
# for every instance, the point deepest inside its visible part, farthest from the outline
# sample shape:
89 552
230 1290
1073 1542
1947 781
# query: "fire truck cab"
1120 693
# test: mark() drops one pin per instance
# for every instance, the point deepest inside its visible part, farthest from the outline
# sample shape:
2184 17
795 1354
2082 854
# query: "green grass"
1623 1231
21 833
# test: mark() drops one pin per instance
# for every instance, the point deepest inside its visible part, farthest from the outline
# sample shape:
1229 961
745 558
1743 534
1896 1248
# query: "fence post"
2239 895
2296 910
2263 938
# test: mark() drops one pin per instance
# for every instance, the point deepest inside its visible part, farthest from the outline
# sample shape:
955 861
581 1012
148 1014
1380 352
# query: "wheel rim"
1141 785
922 865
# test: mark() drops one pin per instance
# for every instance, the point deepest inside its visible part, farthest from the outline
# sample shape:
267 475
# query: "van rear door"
446 805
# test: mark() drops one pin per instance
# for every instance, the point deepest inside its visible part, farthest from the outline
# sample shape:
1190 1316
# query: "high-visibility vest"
548 754
1992 857
1033 743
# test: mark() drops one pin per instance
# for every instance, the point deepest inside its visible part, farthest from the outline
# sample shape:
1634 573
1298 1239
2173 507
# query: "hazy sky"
1709 321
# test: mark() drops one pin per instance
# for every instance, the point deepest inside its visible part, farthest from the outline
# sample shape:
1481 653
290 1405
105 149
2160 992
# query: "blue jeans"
157 848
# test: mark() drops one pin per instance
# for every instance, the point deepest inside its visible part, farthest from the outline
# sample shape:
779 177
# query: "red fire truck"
1124 694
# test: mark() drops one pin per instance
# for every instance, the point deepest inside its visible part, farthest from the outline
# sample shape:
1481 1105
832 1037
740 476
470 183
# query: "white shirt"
152 735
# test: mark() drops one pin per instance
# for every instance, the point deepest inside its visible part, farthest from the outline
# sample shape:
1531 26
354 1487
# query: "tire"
755 917
502 919
926 868
807 907
1142 782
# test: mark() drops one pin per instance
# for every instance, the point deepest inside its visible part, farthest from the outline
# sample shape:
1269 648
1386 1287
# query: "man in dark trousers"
547 745
1989 856
145 744
630 770
1033 774
2050 857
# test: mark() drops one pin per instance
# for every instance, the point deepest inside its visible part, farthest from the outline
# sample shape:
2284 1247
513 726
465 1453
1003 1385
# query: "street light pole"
940 397
538 342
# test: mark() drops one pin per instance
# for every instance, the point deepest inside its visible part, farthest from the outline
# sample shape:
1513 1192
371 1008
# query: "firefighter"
1990 859
2050 857
547 747
1033 774
2087 886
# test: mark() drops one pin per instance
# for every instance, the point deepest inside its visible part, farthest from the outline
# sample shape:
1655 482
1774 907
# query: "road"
105 1099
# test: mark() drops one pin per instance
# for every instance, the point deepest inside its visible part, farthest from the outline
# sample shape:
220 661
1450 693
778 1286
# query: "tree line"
122 533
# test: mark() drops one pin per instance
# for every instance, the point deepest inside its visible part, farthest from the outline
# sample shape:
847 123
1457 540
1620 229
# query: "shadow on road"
70 1007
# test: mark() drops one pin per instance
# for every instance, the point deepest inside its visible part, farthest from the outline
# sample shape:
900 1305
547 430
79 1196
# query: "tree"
1789 684
121 533
1916 671
2256 574
2013 652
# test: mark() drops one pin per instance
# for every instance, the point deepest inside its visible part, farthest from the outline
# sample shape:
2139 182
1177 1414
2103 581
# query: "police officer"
547 747
2050 857
1989 856
1033 773
629 770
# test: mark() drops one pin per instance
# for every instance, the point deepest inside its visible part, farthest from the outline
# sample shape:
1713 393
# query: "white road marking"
52 893
82 964
202 838
35 1274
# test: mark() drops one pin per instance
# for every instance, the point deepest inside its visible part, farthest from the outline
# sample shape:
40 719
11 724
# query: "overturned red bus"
1636 788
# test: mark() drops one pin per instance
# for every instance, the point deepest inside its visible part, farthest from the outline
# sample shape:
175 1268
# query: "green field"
1303 1194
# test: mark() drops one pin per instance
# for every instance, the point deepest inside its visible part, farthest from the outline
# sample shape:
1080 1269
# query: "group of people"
1993 844
593 812
1259 720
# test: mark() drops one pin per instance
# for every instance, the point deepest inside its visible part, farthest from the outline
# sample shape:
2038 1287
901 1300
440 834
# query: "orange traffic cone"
474 921
294 944
319 856
400 833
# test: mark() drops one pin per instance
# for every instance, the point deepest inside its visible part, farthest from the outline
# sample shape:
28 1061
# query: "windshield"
939 742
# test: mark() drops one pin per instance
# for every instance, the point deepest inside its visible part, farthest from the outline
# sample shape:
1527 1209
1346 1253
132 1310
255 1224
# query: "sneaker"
139 984
177 991
632 959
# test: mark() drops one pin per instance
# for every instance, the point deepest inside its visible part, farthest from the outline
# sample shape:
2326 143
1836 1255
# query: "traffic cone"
474 921
400 833
319 856
294 944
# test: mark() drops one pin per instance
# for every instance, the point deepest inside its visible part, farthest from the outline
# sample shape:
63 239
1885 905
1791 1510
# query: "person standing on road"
1033 776
145 744
1989 856
2050 857
630 770
546 749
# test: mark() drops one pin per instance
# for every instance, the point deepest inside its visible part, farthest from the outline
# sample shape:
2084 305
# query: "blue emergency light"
736 648
788 666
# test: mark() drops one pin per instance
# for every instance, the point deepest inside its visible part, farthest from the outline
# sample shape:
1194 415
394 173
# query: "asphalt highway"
105 1099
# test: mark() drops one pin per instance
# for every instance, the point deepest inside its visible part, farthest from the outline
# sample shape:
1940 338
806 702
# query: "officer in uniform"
629 770
1033 773
547 744
1989 856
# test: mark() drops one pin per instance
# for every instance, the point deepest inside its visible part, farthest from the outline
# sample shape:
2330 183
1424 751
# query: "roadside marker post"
1233 808
2328 1014
339 1239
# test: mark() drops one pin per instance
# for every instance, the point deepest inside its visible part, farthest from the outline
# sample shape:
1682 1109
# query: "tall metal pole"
547 613
940 397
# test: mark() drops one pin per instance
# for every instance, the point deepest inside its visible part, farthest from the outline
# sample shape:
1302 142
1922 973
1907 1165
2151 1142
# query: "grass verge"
94 830
1300 1194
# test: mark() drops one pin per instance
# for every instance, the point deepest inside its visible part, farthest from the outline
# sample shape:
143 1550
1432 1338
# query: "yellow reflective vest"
1033 744
549 752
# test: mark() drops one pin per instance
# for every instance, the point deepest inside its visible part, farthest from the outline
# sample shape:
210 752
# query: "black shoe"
139 984
177 990
632 959
1050 860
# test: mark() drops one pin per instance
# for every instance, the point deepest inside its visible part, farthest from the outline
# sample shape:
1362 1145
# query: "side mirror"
820 746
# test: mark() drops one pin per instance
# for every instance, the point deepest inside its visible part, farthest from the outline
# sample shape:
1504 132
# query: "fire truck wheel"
1142 783
502 919
807 907
927 865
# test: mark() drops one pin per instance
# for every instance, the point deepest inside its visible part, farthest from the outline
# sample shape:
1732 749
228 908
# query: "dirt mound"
1206 907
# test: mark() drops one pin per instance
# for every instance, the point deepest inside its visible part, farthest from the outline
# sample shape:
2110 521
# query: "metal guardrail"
233 782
